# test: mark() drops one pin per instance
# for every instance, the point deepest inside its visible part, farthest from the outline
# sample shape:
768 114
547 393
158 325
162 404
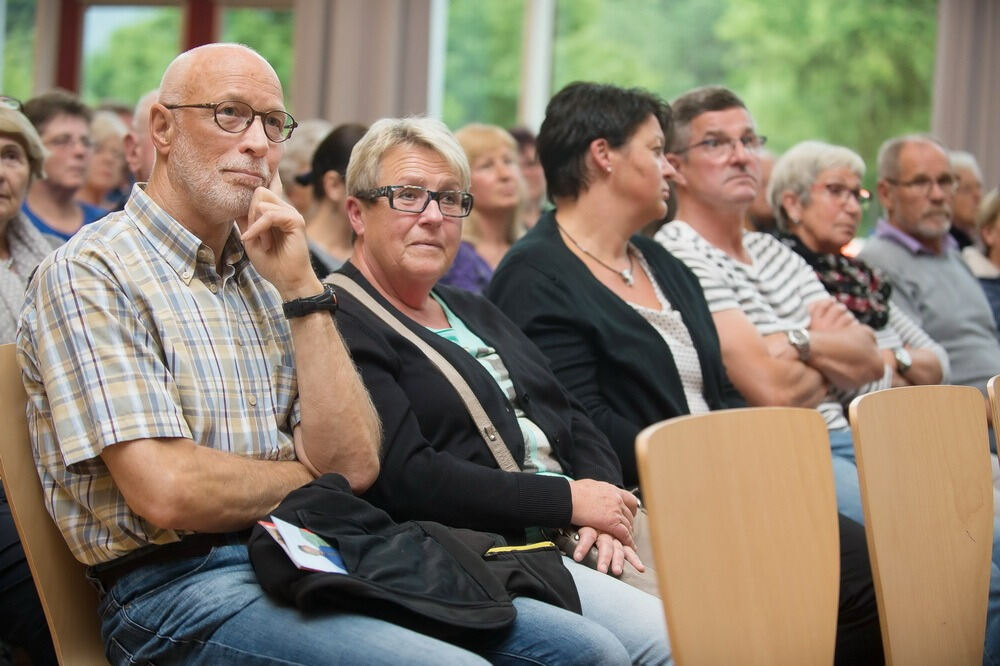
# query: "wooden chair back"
743 516
69 601
926 487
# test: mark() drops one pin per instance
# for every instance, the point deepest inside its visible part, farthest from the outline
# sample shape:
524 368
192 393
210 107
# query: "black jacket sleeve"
552 319
438 468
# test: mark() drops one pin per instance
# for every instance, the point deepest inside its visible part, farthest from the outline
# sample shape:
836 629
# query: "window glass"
483 62
850 72
19 49
126 49
269 32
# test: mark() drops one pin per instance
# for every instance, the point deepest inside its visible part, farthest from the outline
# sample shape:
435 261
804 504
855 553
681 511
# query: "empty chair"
70 602
744 523
923 464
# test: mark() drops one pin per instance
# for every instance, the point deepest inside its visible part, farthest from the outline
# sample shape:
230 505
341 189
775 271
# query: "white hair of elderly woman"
798 168
388 133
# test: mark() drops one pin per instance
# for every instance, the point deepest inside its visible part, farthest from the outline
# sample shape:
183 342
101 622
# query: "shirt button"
213 288
205 253
239 342
252 400
186 275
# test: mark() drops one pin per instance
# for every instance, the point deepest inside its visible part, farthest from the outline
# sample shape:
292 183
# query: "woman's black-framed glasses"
415 199
235 117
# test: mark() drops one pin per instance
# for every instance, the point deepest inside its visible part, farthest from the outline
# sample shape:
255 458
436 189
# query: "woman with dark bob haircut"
624 324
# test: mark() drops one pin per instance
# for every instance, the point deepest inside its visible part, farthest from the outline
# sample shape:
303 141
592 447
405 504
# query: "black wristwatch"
326 301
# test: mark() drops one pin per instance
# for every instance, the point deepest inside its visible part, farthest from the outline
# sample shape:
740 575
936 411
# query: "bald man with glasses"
912 245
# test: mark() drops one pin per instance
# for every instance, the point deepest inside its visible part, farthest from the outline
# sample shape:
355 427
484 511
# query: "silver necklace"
625 275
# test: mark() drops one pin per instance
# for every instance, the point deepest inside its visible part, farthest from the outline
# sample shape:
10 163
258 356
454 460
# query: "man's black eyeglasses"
723 146
11 103
235 117
414 199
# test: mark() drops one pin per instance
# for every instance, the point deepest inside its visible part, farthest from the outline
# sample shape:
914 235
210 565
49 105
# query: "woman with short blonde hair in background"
985 263
493 225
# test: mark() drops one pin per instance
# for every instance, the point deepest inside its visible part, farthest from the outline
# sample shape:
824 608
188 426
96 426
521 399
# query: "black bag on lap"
419 574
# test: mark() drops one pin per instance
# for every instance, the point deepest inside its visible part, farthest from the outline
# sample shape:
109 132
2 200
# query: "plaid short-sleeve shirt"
128 332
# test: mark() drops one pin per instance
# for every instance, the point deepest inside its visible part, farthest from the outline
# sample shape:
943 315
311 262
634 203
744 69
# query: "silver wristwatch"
903 359
799 338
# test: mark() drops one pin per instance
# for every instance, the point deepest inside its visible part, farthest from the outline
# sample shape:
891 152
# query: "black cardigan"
435 466
609 357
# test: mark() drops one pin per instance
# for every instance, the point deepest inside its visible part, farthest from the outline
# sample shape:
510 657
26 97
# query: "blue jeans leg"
545 634
635 617
845 476
210 610
991 651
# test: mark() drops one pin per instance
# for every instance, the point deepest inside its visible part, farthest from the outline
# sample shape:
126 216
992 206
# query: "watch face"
903 359
797 338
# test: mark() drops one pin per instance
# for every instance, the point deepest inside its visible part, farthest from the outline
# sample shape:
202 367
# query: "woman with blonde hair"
985 263
493 226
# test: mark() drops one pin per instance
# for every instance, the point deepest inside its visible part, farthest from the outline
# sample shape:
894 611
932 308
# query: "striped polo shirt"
774 291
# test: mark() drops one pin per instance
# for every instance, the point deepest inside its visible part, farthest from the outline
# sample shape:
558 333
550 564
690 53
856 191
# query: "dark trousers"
859 639
22 621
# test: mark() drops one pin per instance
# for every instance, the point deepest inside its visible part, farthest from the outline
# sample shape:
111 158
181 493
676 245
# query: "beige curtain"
966 112
360 60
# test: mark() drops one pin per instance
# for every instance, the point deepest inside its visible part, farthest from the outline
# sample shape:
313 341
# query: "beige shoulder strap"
483 423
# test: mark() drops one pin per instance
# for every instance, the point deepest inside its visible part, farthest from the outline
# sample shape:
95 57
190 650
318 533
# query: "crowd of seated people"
194 376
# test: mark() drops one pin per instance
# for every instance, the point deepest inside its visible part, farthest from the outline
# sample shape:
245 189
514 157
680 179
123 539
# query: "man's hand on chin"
274 235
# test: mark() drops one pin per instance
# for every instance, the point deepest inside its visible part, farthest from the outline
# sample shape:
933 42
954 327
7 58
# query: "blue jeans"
210 610
845 474
634 617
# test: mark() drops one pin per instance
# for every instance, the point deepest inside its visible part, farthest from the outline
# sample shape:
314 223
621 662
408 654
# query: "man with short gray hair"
913 248
139 150
784 340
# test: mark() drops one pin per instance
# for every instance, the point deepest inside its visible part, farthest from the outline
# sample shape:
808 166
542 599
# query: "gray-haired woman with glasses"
407 181
815 191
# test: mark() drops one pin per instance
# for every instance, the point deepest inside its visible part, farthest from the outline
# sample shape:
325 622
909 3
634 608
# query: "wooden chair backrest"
926 487
69 601
743 516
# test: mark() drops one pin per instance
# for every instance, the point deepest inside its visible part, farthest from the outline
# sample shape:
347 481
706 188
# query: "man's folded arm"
179 485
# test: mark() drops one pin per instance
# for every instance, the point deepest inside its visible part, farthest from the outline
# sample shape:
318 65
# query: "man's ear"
162 128
882 188
676 162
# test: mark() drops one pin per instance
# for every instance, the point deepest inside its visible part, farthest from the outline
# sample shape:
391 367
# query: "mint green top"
538 456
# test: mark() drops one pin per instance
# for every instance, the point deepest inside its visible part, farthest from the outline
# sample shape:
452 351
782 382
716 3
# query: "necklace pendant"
628 277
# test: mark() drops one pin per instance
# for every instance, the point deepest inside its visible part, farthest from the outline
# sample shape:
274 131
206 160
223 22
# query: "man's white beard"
204 182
